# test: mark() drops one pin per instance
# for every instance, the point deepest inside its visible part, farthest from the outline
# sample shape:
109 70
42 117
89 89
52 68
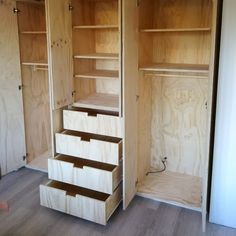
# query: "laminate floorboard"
143 217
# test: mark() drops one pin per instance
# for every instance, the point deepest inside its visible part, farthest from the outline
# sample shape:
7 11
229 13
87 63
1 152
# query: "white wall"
223 198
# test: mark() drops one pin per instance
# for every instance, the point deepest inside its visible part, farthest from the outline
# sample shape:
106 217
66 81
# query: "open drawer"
89 146
85 173
96 122
87 204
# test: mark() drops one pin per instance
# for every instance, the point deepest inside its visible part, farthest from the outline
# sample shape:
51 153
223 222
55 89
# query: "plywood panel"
130 105
60 51
170 187
106 151
83 203
87 174
12 134
178 124
96 123
36 112
144 125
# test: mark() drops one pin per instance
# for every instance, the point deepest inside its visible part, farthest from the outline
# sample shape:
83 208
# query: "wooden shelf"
174 188
99 74
176 30
172 67
35 63
101 56
34 32
95 27
99 101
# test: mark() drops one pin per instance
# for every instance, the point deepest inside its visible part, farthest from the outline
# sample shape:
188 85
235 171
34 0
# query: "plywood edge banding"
176 30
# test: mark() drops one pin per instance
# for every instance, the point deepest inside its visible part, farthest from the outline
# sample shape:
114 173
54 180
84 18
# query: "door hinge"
16 10
25 157
138 3
73 93
136 183
201 199
206 105
20 87
71 8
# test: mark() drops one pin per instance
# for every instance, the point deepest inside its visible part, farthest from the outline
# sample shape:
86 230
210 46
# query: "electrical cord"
159 171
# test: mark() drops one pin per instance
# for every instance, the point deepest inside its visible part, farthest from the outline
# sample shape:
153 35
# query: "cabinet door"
12 134
130 81
59 29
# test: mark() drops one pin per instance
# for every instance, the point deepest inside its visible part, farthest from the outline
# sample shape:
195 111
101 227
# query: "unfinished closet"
176 64
35 81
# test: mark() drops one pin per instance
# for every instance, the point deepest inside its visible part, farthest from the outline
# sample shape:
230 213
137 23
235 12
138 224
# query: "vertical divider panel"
130 84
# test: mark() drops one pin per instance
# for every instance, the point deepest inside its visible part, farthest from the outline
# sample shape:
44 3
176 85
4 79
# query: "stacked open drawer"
87 172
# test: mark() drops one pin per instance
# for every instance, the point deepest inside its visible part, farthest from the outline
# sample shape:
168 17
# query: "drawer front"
99 124
77 204
96 150
86 176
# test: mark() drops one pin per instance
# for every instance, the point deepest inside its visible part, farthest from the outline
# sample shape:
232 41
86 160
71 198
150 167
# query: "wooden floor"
144 217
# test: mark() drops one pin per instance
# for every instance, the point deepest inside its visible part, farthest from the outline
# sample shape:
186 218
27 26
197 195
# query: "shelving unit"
97 54
175 67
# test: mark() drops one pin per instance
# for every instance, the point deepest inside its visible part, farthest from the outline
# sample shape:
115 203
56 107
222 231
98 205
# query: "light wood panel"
84 173
36 112
60 51
144 125
174 188
178 124
175 30
12 134
130 87
95 122
99 101
175 67
101 56
101 149
83 203
99 74
40 163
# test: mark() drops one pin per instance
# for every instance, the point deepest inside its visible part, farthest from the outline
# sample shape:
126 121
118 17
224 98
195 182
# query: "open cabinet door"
130 81
12 134
59 29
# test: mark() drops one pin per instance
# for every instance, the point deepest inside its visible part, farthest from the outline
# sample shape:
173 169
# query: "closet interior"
175 42
35 81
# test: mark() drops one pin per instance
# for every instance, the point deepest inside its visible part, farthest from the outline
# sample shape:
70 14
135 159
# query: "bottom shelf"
174 188
99 101
40 163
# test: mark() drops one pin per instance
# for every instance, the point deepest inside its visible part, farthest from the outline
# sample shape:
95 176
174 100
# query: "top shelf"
176 30
176 68
34 32
95 27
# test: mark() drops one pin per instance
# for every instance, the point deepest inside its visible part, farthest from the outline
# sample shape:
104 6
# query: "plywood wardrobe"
124 84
